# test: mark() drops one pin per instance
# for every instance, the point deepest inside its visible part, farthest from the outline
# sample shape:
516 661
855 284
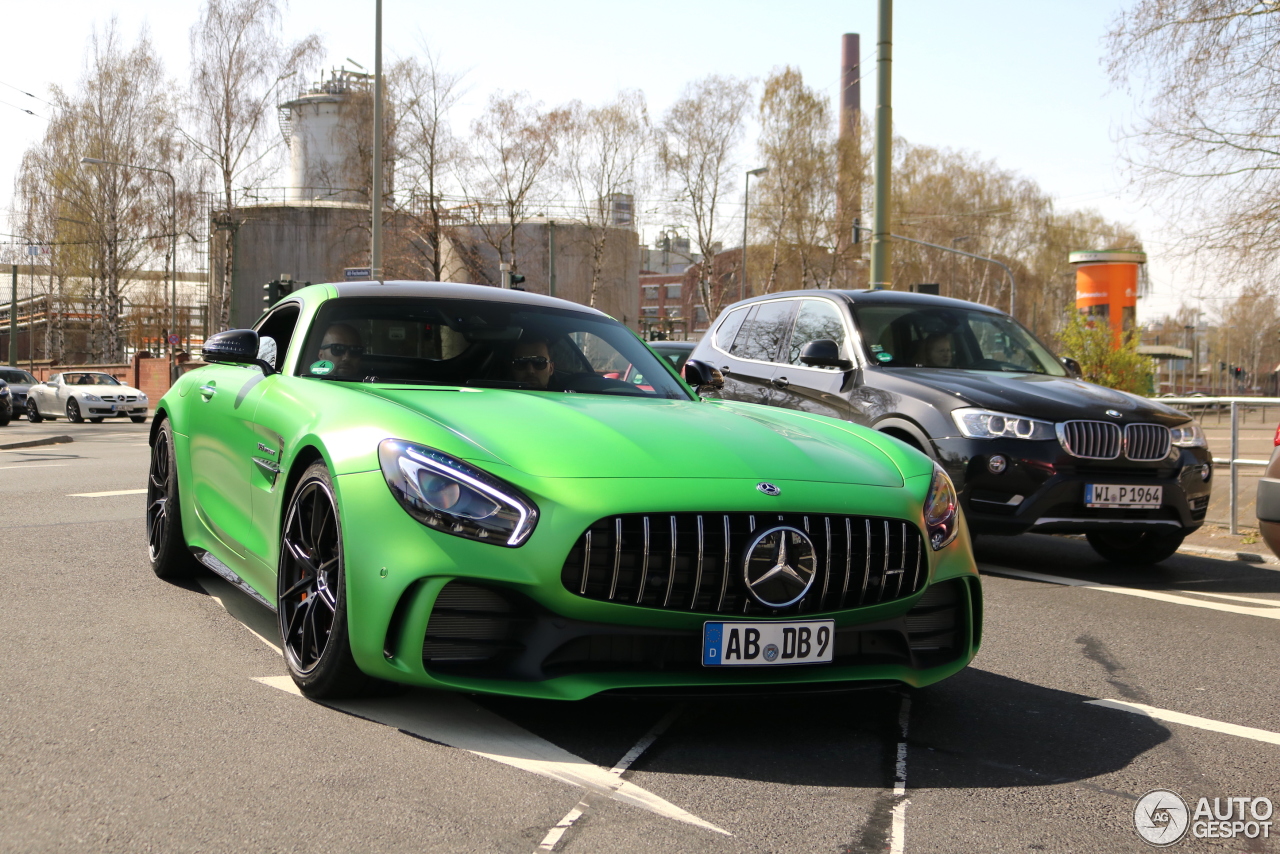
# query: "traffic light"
513 280
857 231
273 292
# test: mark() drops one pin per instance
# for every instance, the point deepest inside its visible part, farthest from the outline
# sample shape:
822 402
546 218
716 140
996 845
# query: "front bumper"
554 644
108 411
1042 487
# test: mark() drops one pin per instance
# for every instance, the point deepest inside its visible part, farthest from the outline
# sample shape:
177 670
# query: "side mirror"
702 377
823 353
235 347
1073 367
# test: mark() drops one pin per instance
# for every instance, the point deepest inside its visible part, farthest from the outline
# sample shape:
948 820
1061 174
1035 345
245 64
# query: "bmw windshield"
481 343
903 336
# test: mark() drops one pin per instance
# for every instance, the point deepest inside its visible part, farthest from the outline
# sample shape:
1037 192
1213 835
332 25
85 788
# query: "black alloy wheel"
33 414
312 593
166 545
73 412
1135 547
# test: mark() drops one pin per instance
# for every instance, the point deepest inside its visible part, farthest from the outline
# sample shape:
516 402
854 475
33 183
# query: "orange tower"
1107 287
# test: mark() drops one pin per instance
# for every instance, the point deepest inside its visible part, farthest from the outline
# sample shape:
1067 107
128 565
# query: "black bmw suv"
1030 445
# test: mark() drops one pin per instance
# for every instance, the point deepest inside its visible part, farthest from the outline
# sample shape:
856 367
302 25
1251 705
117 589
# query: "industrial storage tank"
321 126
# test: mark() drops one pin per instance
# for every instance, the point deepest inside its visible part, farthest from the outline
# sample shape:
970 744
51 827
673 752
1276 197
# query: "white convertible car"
85 394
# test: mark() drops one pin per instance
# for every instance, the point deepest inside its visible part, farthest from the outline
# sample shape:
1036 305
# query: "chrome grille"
1146 442
694 561
1090 440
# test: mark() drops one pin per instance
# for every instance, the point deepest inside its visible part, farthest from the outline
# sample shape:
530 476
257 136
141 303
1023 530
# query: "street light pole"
746 210
375 249
173 241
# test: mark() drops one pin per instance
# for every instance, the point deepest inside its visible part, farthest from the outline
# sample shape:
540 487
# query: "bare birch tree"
698 139
118 217
425 95
238 65
512 144
601 159
1205 145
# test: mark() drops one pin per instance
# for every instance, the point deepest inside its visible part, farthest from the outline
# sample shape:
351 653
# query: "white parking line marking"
898 830
105 494
1274 603
553 836
1272 613
1190 720
41 466
453 720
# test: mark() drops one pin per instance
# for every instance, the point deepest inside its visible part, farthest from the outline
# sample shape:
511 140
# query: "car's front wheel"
73 412
312 593
1135 547
33 413
166 545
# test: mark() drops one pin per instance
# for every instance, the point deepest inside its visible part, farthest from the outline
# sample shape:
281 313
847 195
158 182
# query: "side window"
817 319
279 327
729 327
762 333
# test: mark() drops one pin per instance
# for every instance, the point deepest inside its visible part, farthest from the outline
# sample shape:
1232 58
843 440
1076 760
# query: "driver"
342 346
531 362
937 351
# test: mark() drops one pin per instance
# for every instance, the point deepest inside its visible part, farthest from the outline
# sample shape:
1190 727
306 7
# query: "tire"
33 414
97 419
138 419
73 412
166 545
5 419
311 588
1140 548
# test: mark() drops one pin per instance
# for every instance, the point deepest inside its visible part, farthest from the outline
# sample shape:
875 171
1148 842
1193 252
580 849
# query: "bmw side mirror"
702 377
823 353
235 347
1073 367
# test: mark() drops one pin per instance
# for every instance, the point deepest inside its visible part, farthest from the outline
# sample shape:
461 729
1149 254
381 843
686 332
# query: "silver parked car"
85 394
19 382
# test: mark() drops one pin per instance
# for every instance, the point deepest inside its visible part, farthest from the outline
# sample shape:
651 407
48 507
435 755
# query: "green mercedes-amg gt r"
444 485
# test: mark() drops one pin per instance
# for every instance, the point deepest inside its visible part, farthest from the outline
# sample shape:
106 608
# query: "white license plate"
799 642
1121 495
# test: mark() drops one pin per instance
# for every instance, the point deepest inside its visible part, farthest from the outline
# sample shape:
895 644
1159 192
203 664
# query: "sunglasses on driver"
535 363
341 350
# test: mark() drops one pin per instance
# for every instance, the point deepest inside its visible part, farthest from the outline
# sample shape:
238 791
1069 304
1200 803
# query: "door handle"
780 382
208 391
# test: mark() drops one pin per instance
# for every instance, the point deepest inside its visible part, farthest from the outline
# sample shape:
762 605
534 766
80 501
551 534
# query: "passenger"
342 346
531 362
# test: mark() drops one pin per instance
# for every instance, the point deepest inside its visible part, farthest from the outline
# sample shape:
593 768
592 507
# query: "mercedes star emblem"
768 489
780 566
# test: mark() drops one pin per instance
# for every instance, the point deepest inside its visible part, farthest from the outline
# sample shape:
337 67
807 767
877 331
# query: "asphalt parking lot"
142 715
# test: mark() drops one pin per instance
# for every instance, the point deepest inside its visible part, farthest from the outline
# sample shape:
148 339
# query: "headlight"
4 392
92 397
451 496
985 424
1188 435
941 510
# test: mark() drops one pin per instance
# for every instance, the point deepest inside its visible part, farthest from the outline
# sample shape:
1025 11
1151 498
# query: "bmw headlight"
1188 435
941 510
4 391
985 424
449 495
92 398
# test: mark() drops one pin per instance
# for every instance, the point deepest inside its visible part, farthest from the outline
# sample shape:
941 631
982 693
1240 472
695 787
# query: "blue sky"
1022 83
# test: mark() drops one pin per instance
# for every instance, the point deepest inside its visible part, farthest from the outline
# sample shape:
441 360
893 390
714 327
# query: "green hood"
586 435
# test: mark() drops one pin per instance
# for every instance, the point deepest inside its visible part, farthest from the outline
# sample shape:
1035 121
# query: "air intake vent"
694 562
472 624
1146 442
1090 440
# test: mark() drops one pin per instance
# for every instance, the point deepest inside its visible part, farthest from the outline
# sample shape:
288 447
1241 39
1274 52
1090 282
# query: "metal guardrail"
1234 461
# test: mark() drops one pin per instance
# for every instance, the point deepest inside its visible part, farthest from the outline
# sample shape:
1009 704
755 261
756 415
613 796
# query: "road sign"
352 273
174 339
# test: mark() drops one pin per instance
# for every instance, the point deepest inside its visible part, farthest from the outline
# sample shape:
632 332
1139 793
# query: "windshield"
89 379
21 377
903 336
480 343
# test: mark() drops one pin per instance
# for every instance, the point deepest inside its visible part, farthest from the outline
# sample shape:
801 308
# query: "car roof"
878 297
455 290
